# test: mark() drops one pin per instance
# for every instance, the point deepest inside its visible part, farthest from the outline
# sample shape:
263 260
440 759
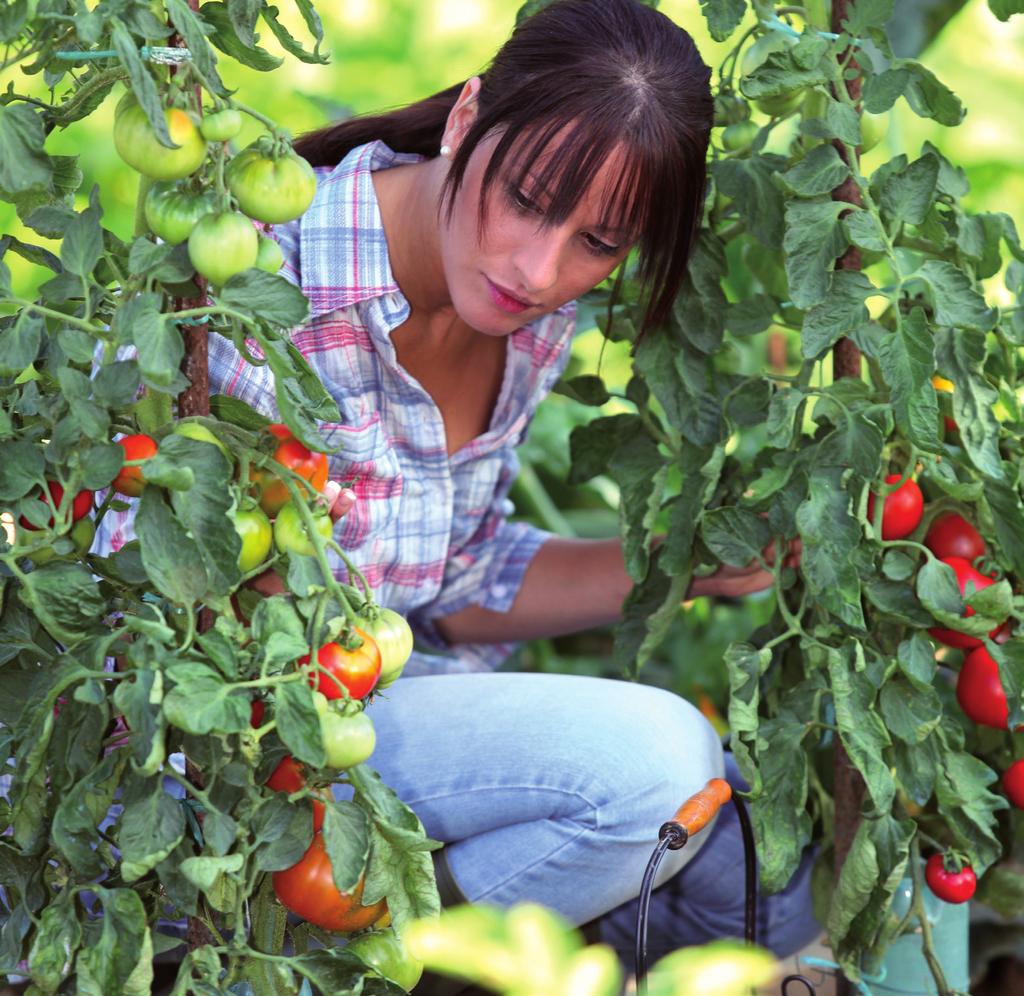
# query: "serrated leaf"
749 183
814 239
819 172
735 536
23 163
842 310
956 301
203 60
227 39
171 557
723 16
907 361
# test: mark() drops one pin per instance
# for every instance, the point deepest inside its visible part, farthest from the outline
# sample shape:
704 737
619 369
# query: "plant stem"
927 944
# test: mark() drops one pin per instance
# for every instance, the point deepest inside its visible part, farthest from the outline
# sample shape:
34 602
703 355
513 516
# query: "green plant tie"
154 53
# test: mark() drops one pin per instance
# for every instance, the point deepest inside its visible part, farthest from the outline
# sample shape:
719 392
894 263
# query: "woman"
441 256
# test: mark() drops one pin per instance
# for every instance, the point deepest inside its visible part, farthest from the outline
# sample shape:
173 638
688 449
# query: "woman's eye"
595 245
524 203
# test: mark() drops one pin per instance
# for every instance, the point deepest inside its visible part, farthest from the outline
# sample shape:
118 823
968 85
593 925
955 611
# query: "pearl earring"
446 151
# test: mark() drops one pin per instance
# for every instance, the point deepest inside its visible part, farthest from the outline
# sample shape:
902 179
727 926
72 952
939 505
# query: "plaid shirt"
429 531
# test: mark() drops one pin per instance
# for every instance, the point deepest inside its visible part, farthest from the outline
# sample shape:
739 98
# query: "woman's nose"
539 263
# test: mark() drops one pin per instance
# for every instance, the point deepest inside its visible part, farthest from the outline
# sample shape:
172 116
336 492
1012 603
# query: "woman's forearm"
570 585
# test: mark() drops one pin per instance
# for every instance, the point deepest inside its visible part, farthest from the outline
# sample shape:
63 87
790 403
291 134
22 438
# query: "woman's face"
516 269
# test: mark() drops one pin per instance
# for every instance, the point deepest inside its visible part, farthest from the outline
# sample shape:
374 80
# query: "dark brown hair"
598 74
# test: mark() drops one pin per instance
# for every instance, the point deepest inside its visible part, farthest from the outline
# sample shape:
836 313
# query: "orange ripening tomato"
273 492
130 480
308 890
358 670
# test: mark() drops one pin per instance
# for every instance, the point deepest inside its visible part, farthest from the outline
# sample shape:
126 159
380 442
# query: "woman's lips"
506 301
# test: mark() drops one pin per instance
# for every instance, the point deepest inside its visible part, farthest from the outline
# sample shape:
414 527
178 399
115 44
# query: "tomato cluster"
266 182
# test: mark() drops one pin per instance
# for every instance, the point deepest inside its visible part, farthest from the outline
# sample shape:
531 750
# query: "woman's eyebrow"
536 187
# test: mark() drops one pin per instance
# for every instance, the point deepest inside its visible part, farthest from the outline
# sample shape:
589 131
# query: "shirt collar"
344 250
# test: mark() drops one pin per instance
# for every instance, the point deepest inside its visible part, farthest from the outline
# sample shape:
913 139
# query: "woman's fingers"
340 499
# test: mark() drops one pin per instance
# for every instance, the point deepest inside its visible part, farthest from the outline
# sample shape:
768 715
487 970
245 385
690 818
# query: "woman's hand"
734 582
340 501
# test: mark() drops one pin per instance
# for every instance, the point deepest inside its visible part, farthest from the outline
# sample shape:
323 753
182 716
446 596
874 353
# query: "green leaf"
782 411
907 195
282 831
819 172
335 970
201 702
814 239
203 60
298 723
204 510
170 556
587 389
203 871
287 42
861 729
882 90
699 309
830 534
21 469
908 711
151 827
159 343
961 790
1005 9
916 659
226 38
1010 658
723 16
751 315
956 301
81 811
66 601
960 355
781 72
347 841
57 939
842 310
867 14
105 965
749 182
140 702
928 97
268 296
647 613
23 163
907 361
1002 889
82 245
746 664
142 84
1007 513
735 536
277 628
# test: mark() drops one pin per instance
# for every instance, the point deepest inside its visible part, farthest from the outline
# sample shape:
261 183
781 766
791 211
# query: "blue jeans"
551 788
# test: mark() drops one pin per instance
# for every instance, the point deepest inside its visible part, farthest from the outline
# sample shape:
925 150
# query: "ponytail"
416 128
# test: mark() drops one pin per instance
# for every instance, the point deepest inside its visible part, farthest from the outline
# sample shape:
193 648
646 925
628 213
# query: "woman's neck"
408 197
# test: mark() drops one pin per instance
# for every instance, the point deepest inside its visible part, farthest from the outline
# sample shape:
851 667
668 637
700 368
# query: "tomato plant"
291 534
308 890
394 640
902 509
968 581
130 480
172 212
980 691
257 535
1013 783
954 884
271 189
356 670
221 245
385 953
951 535
290 453
137 143
81 504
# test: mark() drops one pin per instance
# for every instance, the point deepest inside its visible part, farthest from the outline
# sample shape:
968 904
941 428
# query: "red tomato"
280 430
902 511
288 777
130 480
951 886
358 670
980 692
1013 783
256 711
81 506
308 889
951 535
296 457
965 575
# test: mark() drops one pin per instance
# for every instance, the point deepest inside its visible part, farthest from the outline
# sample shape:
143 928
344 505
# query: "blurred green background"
385 53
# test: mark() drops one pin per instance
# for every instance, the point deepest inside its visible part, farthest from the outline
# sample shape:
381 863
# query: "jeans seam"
593 807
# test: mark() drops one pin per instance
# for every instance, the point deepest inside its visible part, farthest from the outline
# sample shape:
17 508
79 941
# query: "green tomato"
268 256
730 109
256 533
873 128
172 212
348 740
780 104
273 190
290 535
394 639
137 144
221 245
383 951
221 126
198 431
740 136
82 533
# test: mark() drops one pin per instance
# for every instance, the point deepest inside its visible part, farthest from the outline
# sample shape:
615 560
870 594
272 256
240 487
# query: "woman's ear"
461 117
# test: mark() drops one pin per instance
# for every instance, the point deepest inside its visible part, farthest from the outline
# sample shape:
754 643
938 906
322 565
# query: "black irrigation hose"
789 979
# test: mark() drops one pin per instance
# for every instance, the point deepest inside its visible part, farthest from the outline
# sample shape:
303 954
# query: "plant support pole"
849 785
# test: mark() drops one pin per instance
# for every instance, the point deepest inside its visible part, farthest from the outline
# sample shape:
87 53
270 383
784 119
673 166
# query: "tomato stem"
917 905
